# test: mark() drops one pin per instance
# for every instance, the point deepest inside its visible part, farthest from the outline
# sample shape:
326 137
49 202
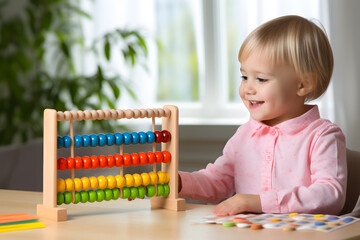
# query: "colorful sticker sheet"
293 221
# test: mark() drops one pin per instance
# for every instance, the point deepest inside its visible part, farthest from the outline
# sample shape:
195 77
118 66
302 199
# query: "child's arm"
239 203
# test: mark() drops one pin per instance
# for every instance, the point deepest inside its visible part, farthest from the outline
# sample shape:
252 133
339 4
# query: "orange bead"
167 156
110 161
102 161
70 163
78 163
86 162
135 159
118 160
159 157
94 162
143 159
127 160
151 157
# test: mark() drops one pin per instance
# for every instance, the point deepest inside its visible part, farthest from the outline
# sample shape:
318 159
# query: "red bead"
159 157
167 156
70 163
78 163
127 159
118 160
94 162
86 162
166 136
143 159
151 157
134 159
158 136
110 161
61 164
102 161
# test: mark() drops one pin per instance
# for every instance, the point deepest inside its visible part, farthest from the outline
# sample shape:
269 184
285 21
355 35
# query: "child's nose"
249 87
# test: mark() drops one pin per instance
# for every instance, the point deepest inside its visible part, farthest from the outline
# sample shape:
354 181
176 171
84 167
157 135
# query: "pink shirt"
297 166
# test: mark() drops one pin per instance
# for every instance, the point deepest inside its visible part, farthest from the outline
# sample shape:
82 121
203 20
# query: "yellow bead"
293 214
78 184
153 177
69 184
145 179
319 216
102 181
137 180
120 181
85 183
93 182
60 185
161 177
167 179
111 182
129 180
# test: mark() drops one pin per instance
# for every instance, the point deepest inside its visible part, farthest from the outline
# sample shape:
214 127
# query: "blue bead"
135 138
150 137
67 141
60 142
78 141
119 139
94 140
86 140
347 220
143 137
333 218
127 138
110 139
102 140
319 223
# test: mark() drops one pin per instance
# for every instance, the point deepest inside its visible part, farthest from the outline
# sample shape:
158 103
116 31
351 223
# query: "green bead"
126 193
116 193
92 196
77 198
141 191
108 194
68 197
60 198
228 224
84 196
160 190
133 192
166 190
100 195
150 190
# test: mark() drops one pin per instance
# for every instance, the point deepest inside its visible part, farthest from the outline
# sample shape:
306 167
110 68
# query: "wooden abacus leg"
49 207
172 201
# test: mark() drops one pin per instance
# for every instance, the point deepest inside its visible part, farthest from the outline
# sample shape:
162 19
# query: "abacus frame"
170 122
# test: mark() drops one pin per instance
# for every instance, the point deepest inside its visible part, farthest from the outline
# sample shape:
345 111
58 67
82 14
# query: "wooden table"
135 220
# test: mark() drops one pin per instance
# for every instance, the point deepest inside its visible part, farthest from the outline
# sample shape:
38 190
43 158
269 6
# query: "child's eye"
262 80
244 77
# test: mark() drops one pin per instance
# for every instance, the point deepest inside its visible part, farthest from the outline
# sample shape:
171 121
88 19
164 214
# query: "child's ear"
307 84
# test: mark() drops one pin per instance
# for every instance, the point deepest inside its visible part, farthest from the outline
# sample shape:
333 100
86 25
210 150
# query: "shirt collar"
289 126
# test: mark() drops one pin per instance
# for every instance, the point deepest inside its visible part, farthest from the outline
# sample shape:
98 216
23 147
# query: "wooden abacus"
169 115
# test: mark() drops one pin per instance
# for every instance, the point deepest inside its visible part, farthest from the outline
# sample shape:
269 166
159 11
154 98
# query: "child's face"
269 92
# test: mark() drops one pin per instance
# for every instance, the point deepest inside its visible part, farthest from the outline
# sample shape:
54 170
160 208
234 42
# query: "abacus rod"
72 155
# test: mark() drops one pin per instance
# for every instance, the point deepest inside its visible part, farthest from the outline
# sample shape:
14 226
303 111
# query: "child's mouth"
256 103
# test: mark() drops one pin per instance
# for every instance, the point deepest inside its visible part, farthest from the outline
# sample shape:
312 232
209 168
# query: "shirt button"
268 157
273 132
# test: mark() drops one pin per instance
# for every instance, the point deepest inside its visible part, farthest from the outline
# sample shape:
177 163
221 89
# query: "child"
285 158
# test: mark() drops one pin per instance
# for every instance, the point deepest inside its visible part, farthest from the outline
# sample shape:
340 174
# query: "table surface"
135 220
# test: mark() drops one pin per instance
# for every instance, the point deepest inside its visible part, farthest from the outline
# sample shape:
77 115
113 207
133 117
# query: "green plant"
38 71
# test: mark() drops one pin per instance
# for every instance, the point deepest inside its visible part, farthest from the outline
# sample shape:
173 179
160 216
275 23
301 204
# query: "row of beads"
110 161
113 194
110 139
112 182
112 114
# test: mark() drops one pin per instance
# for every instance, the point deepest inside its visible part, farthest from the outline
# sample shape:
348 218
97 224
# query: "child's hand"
239 203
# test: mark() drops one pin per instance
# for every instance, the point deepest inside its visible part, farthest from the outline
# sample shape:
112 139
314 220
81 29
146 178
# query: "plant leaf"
107 49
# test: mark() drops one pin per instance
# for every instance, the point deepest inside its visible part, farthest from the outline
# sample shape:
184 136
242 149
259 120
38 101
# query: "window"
195 65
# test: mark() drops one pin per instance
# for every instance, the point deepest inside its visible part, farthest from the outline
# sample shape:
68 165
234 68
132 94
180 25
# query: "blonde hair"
298 42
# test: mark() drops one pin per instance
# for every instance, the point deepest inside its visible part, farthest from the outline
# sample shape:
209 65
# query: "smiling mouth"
256 103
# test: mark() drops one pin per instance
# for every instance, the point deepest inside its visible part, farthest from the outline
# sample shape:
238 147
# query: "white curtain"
345 39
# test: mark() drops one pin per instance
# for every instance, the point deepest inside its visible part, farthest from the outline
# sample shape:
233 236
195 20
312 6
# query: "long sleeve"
328 175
